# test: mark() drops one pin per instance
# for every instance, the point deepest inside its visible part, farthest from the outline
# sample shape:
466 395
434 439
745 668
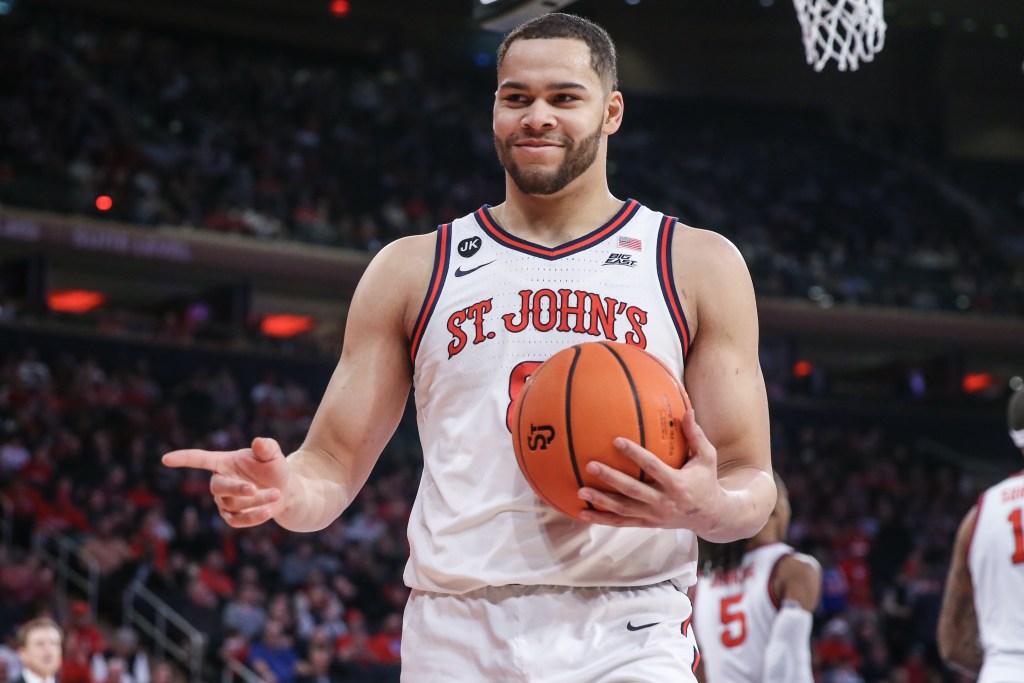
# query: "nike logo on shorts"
630 627
459 272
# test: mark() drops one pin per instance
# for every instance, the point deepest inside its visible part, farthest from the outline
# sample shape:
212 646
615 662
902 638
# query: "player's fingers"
266 449
695 437
194 457
605 501
248 517
627 485
240 503
652 466
222 485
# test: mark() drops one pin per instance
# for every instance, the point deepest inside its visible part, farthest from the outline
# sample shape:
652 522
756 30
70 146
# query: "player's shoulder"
400 272
706 253
707 242
406 255
410 245
797 578
800 563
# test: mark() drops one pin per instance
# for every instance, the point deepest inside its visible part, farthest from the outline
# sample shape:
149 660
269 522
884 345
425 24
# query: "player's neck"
555 219
768 535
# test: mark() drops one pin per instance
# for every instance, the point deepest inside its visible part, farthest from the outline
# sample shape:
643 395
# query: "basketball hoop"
848 31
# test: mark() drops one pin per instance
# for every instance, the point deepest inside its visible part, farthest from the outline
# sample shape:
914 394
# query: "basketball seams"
577 352
636 399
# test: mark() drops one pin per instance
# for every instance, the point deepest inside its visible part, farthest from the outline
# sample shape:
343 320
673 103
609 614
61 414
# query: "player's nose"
538 116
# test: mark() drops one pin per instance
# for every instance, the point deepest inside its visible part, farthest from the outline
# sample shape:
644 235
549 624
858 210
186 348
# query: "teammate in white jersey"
505 588
754 605
981 625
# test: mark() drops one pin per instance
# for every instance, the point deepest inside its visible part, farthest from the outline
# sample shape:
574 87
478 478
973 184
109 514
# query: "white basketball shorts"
550 634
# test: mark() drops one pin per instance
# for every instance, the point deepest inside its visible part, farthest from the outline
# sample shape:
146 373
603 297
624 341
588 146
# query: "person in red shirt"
386 644
81 627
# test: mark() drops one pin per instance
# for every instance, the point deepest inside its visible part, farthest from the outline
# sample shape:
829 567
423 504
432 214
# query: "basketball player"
754 604
981 625
504 587
39 649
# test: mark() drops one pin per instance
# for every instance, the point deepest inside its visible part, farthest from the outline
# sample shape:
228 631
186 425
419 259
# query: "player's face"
42 651
550 114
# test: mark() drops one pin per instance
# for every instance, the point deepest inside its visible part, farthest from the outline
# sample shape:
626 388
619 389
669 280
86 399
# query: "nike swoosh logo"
459 272
630 627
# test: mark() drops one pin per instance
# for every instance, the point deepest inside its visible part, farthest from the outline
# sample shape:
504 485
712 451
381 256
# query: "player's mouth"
538 143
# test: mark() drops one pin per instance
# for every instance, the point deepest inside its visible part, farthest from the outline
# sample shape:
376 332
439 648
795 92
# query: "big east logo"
545 310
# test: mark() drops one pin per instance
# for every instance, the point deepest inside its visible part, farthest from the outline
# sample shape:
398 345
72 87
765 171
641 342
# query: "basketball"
578 401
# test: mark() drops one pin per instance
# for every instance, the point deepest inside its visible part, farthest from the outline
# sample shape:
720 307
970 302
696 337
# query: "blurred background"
190 190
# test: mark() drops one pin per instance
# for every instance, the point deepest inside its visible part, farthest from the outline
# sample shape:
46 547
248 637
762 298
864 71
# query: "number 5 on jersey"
734 621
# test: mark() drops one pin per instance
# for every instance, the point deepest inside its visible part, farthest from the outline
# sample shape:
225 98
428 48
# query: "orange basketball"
578 401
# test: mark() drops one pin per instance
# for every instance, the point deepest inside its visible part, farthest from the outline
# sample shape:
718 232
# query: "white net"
847 31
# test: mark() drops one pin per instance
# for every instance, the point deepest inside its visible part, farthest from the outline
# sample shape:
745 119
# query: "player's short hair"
603 58
33 625
1015 415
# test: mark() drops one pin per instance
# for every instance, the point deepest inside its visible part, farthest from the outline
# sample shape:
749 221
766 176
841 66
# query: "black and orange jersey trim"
667 279
442 257
498 234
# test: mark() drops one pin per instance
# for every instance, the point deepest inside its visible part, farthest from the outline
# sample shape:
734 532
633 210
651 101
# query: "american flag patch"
630 243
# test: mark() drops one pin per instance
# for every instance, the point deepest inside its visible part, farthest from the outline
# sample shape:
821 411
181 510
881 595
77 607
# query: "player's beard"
578 158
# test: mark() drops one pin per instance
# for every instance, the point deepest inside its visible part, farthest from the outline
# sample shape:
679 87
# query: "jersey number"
1018 536
734 621
516 379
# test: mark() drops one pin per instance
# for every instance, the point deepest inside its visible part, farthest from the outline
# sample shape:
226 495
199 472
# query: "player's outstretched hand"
247 484
669 498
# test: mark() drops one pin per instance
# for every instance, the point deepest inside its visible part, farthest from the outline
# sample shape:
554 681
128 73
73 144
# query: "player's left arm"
958 636
787 656
725 491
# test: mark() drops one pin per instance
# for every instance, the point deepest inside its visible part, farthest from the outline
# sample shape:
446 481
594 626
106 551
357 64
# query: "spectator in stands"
125 651
26 585
40 644
353 648
201 610
213 574
116 672
319 666
245 613
10 663
165 673
274 657
109 546
77 661
81 625
386 643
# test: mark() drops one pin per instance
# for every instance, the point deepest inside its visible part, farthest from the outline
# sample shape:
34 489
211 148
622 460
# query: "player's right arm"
358 414
797 583
959 641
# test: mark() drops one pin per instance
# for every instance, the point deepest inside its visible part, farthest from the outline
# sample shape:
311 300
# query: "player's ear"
612 113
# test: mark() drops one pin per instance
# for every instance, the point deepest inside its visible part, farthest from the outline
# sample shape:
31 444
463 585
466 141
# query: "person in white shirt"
754 605
981 624
503 586
40 651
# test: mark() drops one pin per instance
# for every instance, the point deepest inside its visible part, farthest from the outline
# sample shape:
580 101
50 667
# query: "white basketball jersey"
733 613
498 306
995 557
